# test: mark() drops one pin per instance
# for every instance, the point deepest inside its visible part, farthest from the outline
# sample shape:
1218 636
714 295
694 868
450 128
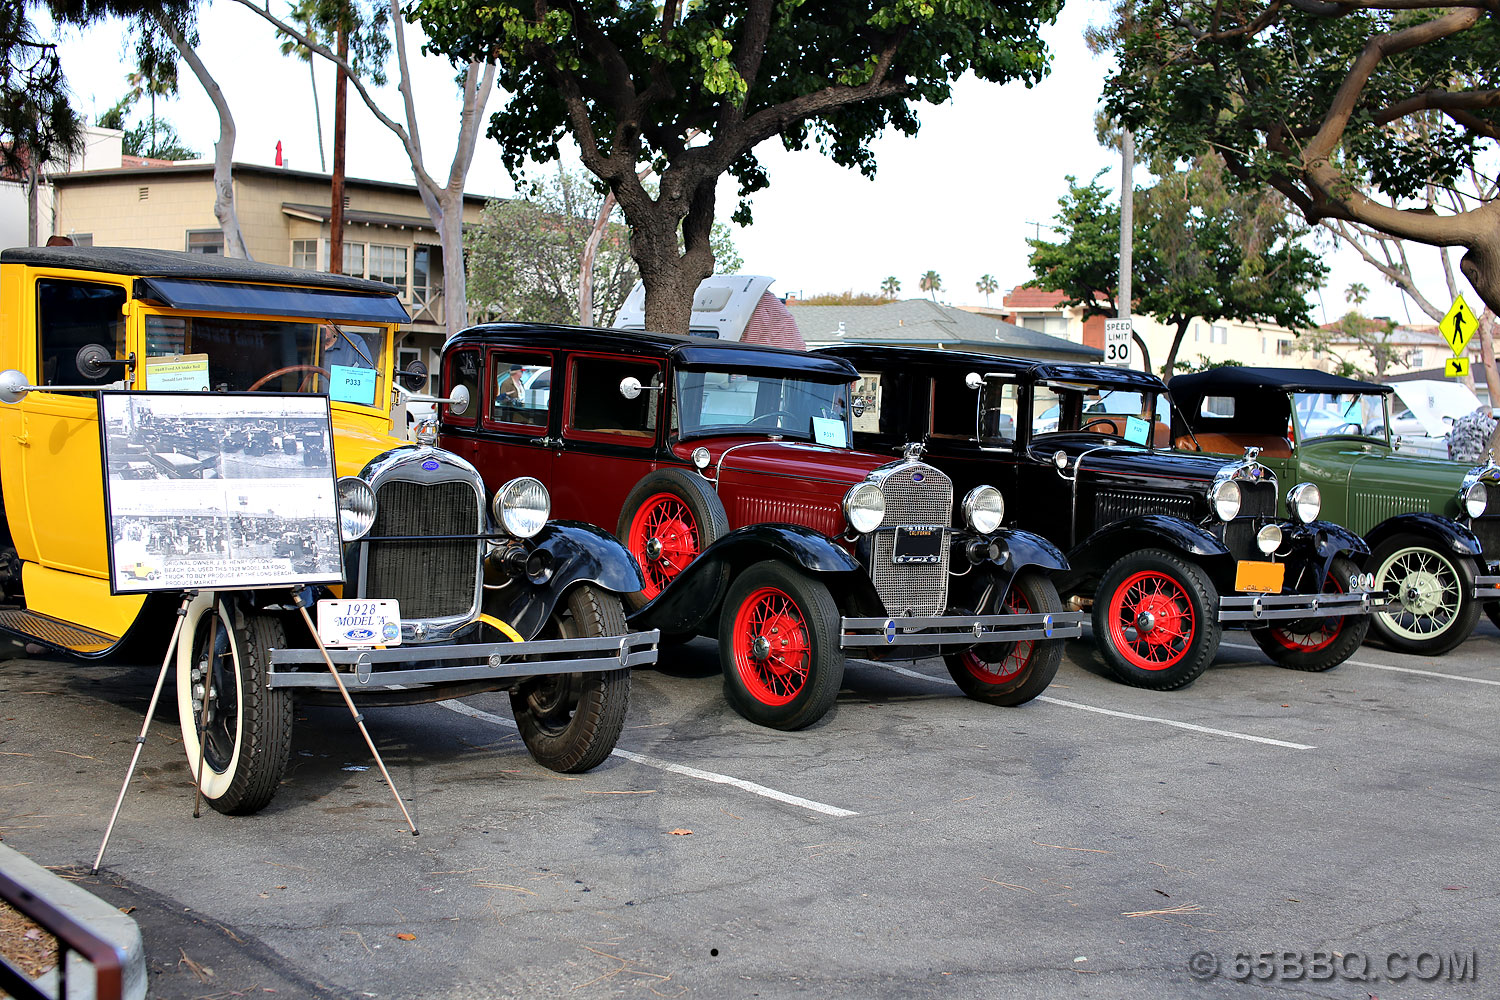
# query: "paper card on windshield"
178 372
829 431
347 384
1137 431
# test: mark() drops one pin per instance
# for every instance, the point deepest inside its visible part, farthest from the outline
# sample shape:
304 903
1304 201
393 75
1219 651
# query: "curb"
91 911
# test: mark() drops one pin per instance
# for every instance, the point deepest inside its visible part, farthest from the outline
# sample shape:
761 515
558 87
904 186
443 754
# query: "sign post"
1117 348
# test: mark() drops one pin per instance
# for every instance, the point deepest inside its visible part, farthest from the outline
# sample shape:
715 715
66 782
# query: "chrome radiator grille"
1257 500
431 579
915 588
1116 505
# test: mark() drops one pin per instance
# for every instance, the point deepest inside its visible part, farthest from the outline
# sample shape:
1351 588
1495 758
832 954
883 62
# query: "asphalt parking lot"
1263 832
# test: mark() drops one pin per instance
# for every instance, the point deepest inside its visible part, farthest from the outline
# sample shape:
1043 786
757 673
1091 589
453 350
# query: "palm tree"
155 76
305 15
890 286
931 284
988 285
1356 293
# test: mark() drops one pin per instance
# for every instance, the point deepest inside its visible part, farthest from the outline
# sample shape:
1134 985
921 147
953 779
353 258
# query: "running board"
32 627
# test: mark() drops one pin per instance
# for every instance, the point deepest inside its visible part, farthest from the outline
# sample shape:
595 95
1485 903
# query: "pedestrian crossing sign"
1456 367
1458 325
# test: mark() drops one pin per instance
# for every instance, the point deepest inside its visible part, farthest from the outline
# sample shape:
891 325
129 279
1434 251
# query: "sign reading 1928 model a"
468 568
727 470
1167 548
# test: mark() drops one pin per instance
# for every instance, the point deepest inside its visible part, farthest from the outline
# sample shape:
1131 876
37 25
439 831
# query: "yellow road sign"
1458 325
1456 367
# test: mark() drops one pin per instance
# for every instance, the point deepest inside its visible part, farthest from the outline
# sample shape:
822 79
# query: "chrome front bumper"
1270 607
376 669
958 630
1487 588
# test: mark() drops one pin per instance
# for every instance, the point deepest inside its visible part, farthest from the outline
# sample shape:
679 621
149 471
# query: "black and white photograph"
218 491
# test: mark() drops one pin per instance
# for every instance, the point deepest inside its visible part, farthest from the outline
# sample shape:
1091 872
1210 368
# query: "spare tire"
668 519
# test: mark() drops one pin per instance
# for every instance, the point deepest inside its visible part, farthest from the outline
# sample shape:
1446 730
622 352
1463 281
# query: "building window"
82 239
354 259
1219 335
1053 326
306 255
388 265
206 241
1417 357
1283 348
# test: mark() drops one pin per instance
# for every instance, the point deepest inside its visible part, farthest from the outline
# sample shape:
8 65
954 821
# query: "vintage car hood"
1129 460
1384 470
794 459
1430 400
358 437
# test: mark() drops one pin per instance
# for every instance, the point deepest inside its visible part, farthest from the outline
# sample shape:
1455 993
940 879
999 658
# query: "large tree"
630 81
1202 250
1348 109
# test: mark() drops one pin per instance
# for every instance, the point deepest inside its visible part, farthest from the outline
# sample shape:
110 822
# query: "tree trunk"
1145 353
336 194
455 281
1487 355
586 263
672 277
1170 368
224 208
317 113
33 179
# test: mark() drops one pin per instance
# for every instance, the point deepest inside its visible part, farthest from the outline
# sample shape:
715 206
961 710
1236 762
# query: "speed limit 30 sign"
1117 333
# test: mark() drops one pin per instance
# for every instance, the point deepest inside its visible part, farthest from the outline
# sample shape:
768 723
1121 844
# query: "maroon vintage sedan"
726 469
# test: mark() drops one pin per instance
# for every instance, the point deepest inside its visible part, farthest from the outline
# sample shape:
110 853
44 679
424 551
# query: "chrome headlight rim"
984 509
1305 501
1474 499
1226 498
1268 539
522 507
864 507
357 508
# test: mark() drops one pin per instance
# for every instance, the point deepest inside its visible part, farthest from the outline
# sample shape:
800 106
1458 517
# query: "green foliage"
1203 364
367 23
890 287
1085 264
845 298
931 283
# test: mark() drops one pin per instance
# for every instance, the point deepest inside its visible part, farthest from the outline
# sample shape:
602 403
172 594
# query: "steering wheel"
1345 428
1114 428
772 413
310 369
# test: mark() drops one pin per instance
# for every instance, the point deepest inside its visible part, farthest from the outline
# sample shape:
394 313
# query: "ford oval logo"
917 477
357 634
430 465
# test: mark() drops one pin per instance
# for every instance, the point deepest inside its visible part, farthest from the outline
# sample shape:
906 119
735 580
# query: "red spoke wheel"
1012 673
779 646
1156 620
1316 643
667 521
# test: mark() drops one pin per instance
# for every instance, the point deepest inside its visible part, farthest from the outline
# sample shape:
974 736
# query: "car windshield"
1335 414
1126 414
751 402
241 354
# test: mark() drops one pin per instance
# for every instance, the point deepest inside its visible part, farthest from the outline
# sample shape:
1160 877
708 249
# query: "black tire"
249 730
1316 644
790 680
1012 673
1179 596
685 502
1435 590
570 722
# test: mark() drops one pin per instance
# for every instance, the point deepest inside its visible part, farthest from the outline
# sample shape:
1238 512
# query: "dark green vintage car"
1433 525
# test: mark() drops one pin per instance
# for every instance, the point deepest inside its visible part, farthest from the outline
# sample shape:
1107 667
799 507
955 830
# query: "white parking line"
1122 715
1386 666
683 769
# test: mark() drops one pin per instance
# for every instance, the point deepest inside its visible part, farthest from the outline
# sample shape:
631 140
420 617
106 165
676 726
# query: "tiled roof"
1022 297
921 322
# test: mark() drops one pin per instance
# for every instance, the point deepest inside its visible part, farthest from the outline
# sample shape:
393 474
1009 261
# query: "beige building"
284 216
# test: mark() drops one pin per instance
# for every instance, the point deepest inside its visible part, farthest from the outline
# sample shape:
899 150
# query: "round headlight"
864 507
522 507
1225 496
1475 499
356 508
1305 502
984 509
1268 539
701 458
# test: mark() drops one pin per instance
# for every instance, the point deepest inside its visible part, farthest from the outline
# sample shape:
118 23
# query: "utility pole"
340 113
1127 231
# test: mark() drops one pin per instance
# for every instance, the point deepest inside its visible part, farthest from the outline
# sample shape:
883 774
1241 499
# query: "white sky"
959 198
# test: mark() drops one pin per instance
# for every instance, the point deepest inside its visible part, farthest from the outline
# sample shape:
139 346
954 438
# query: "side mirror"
974 380
94 361
458 402
414 377
14 386
630 387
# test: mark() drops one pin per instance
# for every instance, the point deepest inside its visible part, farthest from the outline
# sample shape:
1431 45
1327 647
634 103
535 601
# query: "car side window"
998 408
71 315
464 368
597 407
953 409
520 391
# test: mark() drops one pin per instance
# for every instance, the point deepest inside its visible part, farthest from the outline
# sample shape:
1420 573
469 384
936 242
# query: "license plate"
918 543
1259 577
359 623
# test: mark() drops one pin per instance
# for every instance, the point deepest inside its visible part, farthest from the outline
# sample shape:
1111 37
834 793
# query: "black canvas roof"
140 262
1228 380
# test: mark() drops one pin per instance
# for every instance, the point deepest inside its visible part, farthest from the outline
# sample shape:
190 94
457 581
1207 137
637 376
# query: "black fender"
575 553
1457 537
1318 544
1091 557
686 602
1027 549
983 586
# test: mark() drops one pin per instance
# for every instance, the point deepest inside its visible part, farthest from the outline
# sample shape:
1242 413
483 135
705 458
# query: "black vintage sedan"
1167 548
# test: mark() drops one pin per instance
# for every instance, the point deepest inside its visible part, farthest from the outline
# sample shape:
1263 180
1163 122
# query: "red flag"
278 152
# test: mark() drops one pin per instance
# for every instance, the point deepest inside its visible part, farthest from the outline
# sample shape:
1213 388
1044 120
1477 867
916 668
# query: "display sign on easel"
218 491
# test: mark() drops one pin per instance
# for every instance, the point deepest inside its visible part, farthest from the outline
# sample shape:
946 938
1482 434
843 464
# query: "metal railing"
70 936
